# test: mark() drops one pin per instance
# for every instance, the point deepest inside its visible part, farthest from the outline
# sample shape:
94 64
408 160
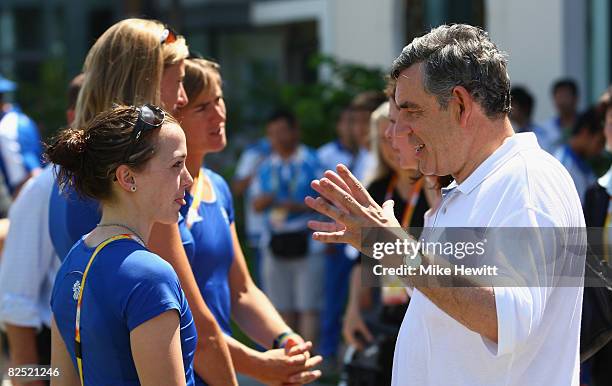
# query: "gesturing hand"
345 200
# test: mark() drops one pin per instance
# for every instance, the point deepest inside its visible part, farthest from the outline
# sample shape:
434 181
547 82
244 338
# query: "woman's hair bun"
67 149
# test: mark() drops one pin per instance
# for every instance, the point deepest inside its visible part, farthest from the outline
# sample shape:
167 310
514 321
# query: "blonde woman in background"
413 195
135 62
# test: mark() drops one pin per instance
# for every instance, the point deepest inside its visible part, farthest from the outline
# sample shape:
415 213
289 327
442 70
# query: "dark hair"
287 115
73 90
367 101
565 83
88 157
522 97
590 120
460 55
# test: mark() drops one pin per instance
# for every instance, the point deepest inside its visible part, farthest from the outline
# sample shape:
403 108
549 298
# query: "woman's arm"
257 317
251 308
159 361
353 323
60 359
212 360
22 341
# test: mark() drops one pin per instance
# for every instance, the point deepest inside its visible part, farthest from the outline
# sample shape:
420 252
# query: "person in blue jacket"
218 262
20 145
111 294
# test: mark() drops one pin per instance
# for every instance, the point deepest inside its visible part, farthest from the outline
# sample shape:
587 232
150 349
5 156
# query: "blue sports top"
213 252
126 286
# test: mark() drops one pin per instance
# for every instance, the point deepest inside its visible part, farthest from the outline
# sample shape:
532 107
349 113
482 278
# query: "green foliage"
317 105
45 99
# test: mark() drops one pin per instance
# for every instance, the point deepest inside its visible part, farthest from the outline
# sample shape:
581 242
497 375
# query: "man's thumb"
388 205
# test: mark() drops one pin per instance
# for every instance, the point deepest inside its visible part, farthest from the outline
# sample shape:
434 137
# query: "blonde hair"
380 168
200 75
125 66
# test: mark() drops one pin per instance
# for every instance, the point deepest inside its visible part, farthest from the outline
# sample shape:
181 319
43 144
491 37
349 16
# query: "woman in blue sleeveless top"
120 316
217 260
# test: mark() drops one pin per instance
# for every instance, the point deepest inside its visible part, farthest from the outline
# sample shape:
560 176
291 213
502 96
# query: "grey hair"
460 55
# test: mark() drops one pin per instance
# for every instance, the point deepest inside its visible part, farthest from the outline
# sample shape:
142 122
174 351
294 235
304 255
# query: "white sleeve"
10 150
28 256
248 162
520 309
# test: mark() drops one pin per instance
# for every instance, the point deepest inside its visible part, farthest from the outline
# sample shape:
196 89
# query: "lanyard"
606 231
78 351
192 213
279 182
412 199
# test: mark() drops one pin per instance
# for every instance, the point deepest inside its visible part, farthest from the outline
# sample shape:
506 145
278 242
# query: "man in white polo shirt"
453 93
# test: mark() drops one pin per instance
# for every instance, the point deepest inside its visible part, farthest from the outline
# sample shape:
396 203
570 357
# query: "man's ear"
462 105
125 177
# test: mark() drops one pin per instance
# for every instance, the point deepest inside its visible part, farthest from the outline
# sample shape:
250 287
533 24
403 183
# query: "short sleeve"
20 284
519 313
246 164
155 291
520 309
229 203
186 238
30 144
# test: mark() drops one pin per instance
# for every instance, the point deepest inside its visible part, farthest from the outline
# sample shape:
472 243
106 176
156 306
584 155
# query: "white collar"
511 146
606 181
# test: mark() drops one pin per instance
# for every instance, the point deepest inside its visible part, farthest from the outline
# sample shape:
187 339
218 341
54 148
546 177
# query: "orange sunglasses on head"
168 36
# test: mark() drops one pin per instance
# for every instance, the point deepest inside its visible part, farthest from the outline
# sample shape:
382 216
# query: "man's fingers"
325 208
332 192
316 185
331 237
355 187
335 178
388 205
324 226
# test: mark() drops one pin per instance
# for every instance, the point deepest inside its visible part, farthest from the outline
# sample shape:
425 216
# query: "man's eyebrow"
408 105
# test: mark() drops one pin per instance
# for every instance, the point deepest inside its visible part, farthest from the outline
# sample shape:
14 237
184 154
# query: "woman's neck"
122 219
194 161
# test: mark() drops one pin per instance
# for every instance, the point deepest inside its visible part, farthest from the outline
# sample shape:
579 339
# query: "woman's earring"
133 188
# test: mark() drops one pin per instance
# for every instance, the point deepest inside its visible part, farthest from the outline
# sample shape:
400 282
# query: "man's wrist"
413 261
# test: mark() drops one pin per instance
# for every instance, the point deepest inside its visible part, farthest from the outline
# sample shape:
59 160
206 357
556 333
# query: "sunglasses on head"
149 117
168 36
